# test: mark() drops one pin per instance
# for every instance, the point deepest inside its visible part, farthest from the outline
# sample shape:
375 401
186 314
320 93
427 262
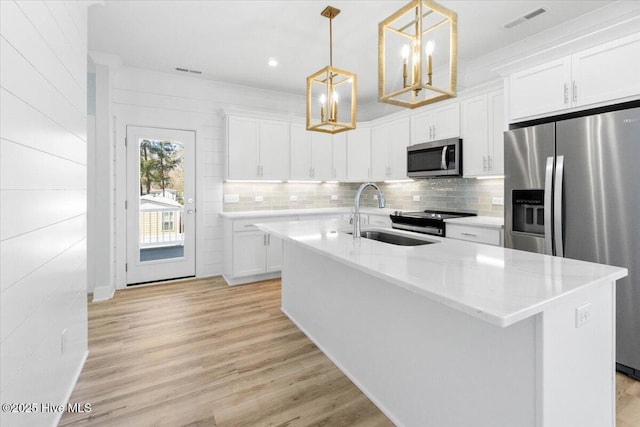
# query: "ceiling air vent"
186 70
525 17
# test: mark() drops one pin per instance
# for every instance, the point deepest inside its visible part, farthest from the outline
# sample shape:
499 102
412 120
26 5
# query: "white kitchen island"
456 334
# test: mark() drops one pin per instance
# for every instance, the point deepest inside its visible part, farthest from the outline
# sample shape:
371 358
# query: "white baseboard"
232 281
71 387
103 293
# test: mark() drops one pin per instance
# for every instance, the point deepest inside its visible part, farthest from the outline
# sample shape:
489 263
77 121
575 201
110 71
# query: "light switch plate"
231 198
416 197
293 198
334 197
499 201
259 199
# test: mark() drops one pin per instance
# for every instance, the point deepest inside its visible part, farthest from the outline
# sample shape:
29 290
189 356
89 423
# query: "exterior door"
160 204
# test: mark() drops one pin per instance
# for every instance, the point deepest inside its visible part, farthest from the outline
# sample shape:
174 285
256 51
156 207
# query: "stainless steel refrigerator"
572 189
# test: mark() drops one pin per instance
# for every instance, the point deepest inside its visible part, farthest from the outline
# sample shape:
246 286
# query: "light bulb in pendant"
323 101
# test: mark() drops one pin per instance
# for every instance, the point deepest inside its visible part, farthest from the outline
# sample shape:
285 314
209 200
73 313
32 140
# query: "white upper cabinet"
437 123
321 156
339 172
541 89
389 143
311 155
359 154
482 135
300 152
243 148
257 149
274 150
609 71
605 73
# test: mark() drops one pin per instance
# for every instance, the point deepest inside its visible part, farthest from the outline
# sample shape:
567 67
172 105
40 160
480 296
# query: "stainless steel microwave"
433 159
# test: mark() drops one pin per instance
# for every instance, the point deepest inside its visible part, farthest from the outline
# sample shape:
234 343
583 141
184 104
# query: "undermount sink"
394 239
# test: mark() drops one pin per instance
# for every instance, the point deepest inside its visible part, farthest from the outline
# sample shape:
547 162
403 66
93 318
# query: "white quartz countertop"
302 212
501 286
478 221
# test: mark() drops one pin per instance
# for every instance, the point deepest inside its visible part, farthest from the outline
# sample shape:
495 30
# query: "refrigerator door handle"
557 206
548 185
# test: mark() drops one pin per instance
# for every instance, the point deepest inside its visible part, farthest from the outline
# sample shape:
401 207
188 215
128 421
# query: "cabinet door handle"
484 163
268 239
566 93
575 92
434 131
490 165
264 240
469 234
258 170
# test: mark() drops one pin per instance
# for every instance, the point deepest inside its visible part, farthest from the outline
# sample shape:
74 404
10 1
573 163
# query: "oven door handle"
443 161
419 229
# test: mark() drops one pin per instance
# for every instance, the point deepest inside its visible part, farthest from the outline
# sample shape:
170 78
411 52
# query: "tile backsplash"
455 194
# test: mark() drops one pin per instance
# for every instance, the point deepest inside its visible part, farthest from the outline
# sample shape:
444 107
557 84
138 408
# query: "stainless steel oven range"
426 222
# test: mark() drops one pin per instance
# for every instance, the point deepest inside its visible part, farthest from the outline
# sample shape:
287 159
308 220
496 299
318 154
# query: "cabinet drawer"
489 236
249 223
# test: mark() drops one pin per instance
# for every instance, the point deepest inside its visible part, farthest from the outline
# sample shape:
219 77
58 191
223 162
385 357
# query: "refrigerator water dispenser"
528 211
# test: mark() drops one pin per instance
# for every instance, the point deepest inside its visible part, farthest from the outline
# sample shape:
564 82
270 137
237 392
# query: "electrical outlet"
416 197
293 198
375 197
259 199
334 197
583 315
498 201
231 198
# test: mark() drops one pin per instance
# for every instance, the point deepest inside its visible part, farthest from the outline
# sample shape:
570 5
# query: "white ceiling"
231 41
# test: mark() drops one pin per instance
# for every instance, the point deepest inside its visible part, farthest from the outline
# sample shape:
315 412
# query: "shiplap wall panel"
24 124
43 56
28 213
38 170
23 254
147 98
49 32
27 83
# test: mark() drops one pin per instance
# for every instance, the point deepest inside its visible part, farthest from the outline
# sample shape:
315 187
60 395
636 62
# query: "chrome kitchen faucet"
356 214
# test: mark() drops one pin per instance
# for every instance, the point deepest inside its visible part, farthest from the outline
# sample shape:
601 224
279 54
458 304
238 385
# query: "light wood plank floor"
202 353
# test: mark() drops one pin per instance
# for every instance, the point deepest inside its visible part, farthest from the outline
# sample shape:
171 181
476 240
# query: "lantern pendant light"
329 88
408 42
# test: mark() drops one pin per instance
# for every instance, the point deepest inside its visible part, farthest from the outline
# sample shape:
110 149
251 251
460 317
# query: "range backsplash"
455 194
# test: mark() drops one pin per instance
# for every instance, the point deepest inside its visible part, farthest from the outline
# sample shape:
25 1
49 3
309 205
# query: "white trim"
103 293
67 397
251 279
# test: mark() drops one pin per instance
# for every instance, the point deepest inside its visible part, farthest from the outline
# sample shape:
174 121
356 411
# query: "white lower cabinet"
251 254
470 233
256 252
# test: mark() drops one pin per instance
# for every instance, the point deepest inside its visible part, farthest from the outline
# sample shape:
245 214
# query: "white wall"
43 48
153 99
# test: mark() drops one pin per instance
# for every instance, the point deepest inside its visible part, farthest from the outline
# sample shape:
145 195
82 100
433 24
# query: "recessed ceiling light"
273 62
